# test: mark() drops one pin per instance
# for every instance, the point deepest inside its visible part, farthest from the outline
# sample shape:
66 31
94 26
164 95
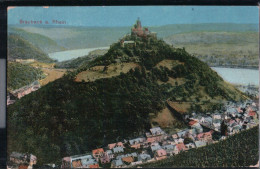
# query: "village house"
155 139
19 93
170 149
93 166
174 136
18 157
156 135
136 143
195 125
181 147
124 43
127 155
207 136
97 153
155 147
23 158
181 133
110 154
200 143
78 161
190 146
157 131
128 160
117 163
10 98
216 116
136 163
252 114
88 161
178 140
66 163
33 160
118 149
144 157
160 154
105 158
113 145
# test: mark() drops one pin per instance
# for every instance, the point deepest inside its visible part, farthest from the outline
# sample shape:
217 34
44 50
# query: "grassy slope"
240 150
19 48
42 42
67 117
220 48
19 75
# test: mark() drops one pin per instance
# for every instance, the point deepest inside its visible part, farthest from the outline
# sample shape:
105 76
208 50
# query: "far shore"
236 67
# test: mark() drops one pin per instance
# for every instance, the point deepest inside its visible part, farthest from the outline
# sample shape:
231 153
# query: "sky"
114 16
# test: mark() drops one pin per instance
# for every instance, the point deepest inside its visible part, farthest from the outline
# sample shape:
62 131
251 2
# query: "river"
239 76
72 54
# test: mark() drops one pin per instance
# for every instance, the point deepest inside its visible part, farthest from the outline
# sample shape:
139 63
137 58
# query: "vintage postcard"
132 87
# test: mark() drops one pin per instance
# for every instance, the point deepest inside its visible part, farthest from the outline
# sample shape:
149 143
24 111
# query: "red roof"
23 167
192 122
251 113
98 151
111 146
94 166
161 152
180 146
206 134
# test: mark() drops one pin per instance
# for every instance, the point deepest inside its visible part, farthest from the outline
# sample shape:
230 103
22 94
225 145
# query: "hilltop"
118 95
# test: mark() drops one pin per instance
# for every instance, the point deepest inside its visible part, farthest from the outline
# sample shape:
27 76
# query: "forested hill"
114 97
42 42
19 48
20 75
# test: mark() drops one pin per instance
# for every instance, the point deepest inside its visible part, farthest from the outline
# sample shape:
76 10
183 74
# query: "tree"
223 129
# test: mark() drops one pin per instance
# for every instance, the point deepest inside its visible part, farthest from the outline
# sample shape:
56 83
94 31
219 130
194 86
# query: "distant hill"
239 49
167 30
19 75
19 48
44 43
118 95
90 37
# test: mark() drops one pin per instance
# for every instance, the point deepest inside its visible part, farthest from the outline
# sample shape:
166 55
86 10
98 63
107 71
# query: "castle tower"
138 24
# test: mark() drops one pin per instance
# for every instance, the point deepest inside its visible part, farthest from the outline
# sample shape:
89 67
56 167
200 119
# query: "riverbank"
236 66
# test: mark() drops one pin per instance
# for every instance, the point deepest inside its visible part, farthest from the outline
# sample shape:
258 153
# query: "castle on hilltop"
138 31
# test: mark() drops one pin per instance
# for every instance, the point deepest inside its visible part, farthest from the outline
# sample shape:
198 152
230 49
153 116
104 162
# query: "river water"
72 54
238 76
